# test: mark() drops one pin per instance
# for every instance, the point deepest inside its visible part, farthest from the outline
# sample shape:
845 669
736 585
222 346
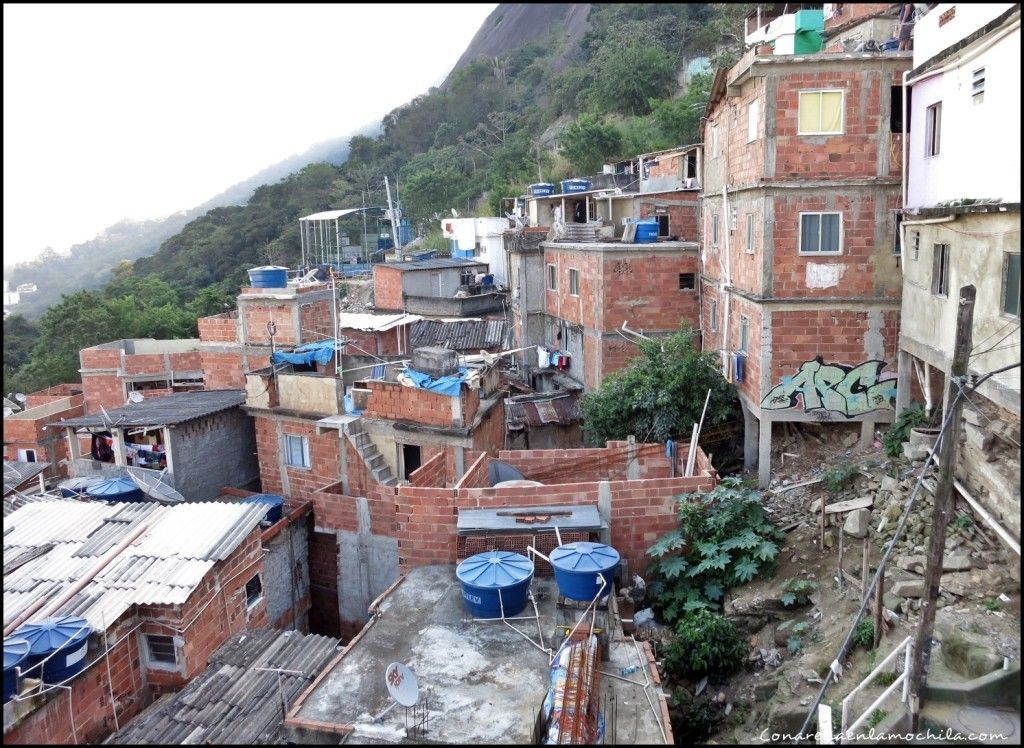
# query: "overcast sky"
139 111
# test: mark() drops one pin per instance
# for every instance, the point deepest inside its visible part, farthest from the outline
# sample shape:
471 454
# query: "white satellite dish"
8 412
402 684
20 397
136 396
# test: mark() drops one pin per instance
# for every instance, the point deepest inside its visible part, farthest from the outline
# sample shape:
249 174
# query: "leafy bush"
838 477
724 539
899 431
864 634
705 643
693 718
797 591
588 142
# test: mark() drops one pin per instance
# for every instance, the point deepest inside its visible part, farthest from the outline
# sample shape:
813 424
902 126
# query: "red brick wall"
643 290
257 315
616 354
51 394
431 473
392 401
380 343
387 288
102 389
316 320
219 328
560 303
222 370
489 436
852 11
682 219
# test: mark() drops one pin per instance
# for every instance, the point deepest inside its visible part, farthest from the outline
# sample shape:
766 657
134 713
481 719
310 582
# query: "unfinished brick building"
26 437
110 371
801 276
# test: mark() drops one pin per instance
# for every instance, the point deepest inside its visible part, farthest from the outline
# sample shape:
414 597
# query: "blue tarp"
321 353
449 386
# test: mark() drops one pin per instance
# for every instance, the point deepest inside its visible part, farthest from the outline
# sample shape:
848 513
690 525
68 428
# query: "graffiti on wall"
835 388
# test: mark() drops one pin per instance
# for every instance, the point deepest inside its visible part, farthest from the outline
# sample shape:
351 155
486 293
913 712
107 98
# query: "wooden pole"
821 539
943 503
865 567
879 621
841 534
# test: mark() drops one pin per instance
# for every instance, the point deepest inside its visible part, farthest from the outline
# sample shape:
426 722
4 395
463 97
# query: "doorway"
411 460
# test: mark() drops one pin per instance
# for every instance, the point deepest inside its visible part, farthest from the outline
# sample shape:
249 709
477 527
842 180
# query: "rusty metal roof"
559 410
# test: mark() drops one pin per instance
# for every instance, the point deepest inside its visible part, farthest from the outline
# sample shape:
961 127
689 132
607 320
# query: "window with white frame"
978 85
744 333
161 651
714 229
750 233
1011 284
296 451
940 269
552 278
753 113
26 455
821 112
574 282
821 233
932 129
713 316
253 591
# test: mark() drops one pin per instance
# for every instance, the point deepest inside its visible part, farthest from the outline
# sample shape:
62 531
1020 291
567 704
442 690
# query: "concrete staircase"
371 456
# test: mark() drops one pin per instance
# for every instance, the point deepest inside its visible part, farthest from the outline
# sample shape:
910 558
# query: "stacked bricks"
219 328
394 402
387 288
682 219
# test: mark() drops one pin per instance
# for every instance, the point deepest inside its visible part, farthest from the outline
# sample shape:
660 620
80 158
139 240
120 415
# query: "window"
552 278
161 650
821 113
940 269
899 228
713 322
687 281
932 129
714 141
896 108
744 333
753 110
662 225
253 591
296 451
978 85
1011 284
574 282
821 233
714 229
915 244
26 455
750 233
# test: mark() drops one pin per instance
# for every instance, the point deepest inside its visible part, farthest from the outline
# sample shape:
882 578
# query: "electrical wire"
1005 324
980 412
993 347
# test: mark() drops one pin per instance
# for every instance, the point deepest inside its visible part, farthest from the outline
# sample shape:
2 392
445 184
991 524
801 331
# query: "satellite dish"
153 485
402 684
20 397
8 412
136 396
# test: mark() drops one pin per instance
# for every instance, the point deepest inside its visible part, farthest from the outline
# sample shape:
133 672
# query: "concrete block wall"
387 288
286 574
215 451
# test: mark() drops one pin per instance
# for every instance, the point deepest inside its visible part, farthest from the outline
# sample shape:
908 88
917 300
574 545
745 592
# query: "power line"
982 353
1005 324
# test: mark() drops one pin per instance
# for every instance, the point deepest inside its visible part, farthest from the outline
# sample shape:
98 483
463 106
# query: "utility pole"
943 504
394 218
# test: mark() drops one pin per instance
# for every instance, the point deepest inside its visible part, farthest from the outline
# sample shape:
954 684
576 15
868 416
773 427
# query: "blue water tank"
485 576
64 637
577 566
576 185
116 489
269 276
15 652
647 231
541 189
274 503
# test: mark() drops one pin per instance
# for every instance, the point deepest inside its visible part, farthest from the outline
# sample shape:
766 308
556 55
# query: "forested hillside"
554 107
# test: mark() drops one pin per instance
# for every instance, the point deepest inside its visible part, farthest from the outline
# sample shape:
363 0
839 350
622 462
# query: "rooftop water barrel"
485 576
269 276
577 566
77 486
15 652
541 189
647 231
116 489
274 503
64 637
576 185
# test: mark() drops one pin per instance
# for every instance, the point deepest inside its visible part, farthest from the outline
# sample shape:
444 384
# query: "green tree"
660 394
588 142
628 73
679 119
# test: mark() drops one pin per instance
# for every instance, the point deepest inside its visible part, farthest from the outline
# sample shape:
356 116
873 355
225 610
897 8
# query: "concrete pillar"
169 451
764 453
750 437
119 456
867 433
604 508
633 465
904 372
460 463
343 460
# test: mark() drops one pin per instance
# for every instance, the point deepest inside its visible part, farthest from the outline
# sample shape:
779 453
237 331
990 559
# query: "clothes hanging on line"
543 357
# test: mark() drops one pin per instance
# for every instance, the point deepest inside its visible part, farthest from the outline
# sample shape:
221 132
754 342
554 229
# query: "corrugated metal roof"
436 263
562 410
16 473
374 322
233 701
168 410
162 567
462 335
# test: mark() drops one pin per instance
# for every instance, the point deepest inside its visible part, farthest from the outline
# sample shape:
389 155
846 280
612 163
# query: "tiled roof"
462 335
233 701
168 410
61 540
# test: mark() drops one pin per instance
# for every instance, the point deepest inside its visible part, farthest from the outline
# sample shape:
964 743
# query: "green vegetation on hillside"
490 130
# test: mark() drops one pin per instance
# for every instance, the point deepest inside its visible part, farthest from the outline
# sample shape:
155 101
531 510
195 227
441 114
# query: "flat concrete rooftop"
479 681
